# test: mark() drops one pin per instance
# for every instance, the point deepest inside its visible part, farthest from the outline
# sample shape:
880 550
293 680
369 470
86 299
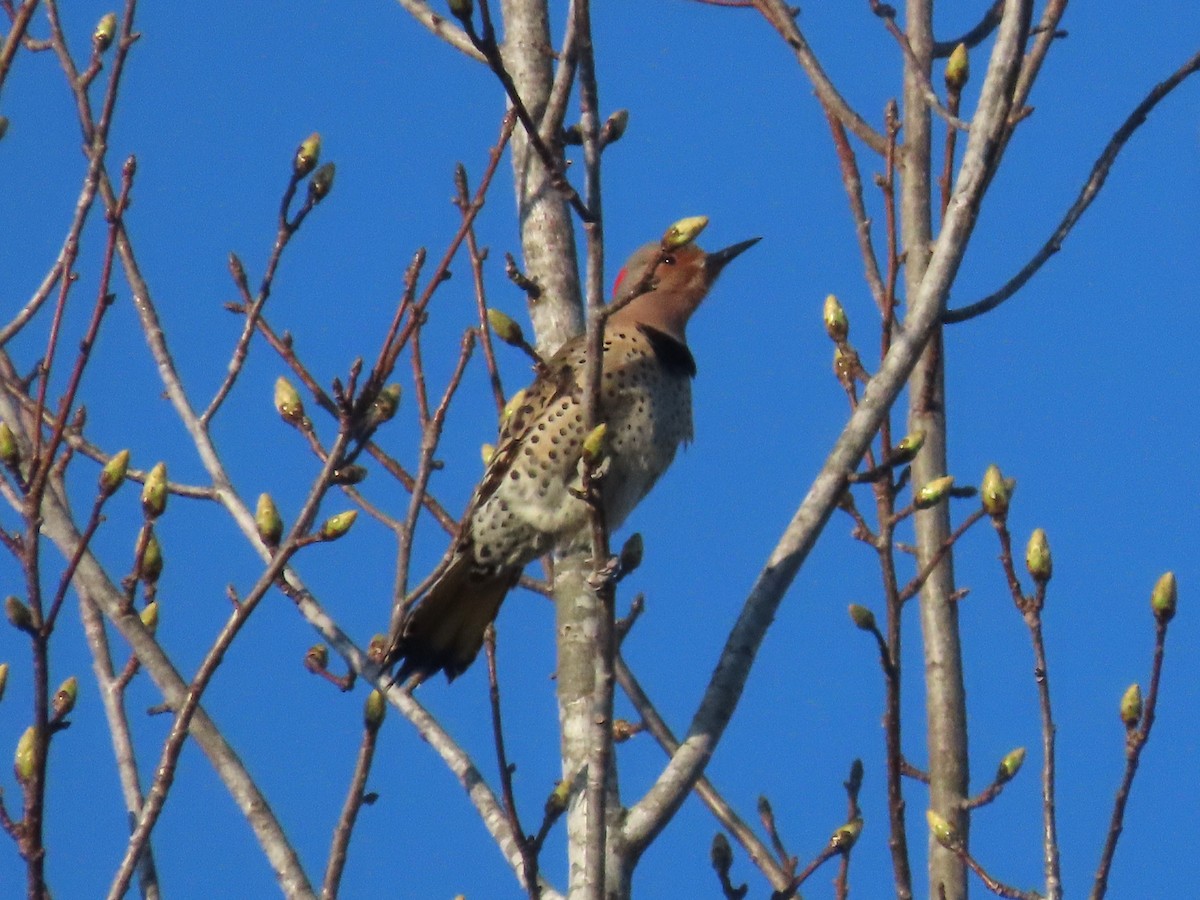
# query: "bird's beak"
718 260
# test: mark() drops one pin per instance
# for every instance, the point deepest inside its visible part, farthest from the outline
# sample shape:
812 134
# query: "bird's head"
679 280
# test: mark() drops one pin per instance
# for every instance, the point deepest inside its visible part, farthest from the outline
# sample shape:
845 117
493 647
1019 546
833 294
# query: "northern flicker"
526 505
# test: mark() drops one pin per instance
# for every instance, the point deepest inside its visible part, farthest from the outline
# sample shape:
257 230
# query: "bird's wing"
556 381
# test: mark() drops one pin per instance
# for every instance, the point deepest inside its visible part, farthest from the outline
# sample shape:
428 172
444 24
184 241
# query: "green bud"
958 68
721 853
837 326
317 658
934 492
154 492
632 552
10 453
995 491
321 183
149 616
846 836
65 697
106 30
307 155
1164 598
614 127
268 521
513 404
1131 706
24 757
373 711
486 452
384 406
505 327
1037 557
556 803
461 9
1010 765
908 448
18 614
112 476
337 526
3 678
287 401
862 617
943 832
684 232
152 560
593 444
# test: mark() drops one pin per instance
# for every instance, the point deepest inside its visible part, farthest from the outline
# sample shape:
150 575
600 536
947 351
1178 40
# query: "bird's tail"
444 631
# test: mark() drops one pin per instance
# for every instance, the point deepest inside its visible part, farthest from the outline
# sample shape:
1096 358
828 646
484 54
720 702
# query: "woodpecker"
526 504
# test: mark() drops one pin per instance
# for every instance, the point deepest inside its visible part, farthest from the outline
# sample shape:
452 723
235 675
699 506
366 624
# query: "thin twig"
355 798
1135 742
1089 191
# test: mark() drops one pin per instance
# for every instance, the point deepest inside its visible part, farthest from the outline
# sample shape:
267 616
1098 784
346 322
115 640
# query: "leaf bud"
995 491
112 476
486 452
317 658
1164 598
65 697
3 678
152 560
321 183
1131 706
154 491
1010 765
10 453
614 127
18 614
461 9
288 402
106 30
958 68
846 836
593 444
268 521
24 757
307 155
631 552
349 475
1038 560
934 492
373 711
384 406
556 803
684 232
837 326
721 853
943 832
862 617
908 448
377 649
337 526
505 327
513 404
149 616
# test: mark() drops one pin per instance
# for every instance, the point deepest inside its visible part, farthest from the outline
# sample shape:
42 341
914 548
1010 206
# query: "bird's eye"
668 259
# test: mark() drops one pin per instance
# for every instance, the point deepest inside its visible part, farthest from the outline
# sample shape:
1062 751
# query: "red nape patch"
617 281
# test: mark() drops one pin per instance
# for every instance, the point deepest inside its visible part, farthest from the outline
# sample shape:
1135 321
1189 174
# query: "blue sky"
1080 387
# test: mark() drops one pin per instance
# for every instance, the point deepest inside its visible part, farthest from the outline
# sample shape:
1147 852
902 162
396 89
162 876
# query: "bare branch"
1087 194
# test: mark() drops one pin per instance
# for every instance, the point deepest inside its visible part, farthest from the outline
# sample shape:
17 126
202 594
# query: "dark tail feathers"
444 631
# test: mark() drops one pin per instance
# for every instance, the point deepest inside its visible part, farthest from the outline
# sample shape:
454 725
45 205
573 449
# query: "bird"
527 503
